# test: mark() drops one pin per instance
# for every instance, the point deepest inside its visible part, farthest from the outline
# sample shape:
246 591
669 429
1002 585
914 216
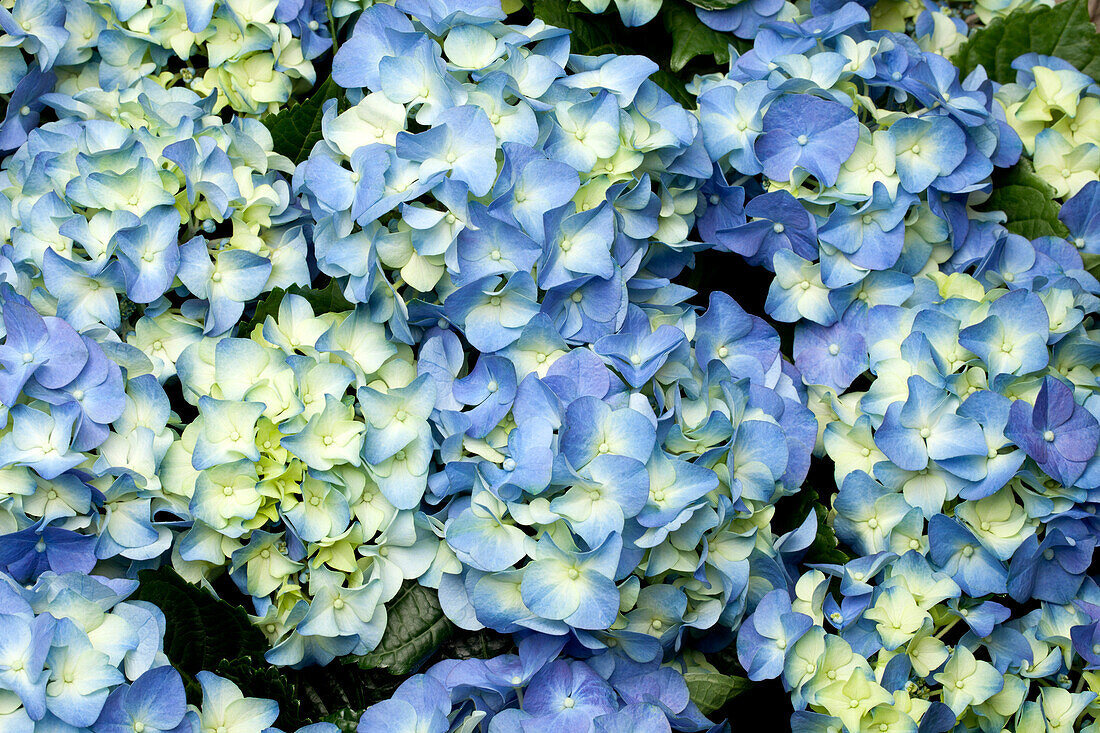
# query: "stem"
945 629
331 25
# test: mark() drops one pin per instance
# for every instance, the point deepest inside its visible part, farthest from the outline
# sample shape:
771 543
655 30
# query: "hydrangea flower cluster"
744 18
858 194
94 207
628 508
537 689
448 344
146 186
309 496
69 641
275 473
77 656
610 454
253 54
475 182
965 472
951 365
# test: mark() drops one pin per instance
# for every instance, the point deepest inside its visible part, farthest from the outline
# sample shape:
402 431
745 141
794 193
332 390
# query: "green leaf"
329 299
347 720
1092 264
825 548
1028 202
792 511
690 38
715 4
586 35
257 678
675 87
341 689
415 630
205 632
202 631
296 128
711 690
483 644
1063 30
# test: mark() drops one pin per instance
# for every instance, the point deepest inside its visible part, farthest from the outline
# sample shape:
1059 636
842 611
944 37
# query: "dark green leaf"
205 632
415 630
825 547
1028 202
690 38
257 678
347 720
341 689
329 299
586 34
711 690
1063 30
296 128
1092 264
483 644
714 4
202 631
792 511
674 86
